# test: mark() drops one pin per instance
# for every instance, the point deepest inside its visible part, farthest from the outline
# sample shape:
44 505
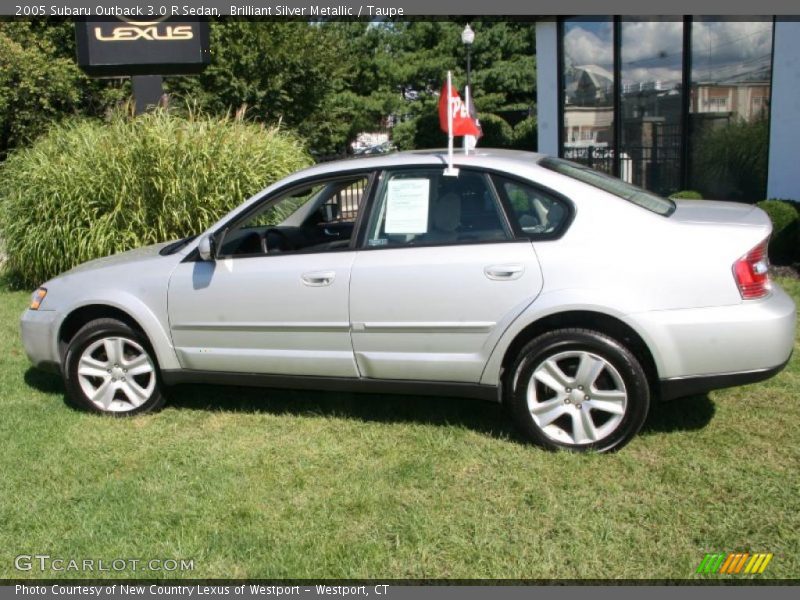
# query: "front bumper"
38 331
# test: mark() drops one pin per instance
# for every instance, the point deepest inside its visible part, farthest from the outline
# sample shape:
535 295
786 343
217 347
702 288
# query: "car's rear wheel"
110 368
578 389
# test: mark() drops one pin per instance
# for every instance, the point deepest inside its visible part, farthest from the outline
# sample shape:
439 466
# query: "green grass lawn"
265 483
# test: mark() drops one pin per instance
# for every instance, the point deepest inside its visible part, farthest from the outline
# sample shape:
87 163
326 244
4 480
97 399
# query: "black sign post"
147 91
144 50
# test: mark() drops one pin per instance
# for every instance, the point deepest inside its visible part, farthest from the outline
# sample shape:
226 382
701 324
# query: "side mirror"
206 247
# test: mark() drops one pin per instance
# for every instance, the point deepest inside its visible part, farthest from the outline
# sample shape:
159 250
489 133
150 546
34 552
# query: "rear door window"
424 207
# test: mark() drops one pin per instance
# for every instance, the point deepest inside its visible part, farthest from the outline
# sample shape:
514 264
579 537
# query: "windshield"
612 185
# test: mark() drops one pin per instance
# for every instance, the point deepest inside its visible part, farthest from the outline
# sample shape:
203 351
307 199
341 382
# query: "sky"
652 50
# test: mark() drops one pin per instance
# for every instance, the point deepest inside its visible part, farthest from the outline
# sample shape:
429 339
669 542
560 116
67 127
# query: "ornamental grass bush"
90 188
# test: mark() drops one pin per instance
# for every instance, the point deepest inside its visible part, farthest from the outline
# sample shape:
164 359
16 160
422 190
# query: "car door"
440 276
275 301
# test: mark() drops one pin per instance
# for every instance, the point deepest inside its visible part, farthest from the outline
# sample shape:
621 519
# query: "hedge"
90 188
687 195
784 245
497 133
526 134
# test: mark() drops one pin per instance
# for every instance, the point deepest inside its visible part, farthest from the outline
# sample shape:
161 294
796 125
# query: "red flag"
463 122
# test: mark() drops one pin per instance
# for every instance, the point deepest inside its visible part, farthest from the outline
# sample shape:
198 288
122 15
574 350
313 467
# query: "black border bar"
381 9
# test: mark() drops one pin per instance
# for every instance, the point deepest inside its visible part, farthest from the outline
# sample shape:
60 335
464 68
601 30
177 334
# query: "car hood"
143 254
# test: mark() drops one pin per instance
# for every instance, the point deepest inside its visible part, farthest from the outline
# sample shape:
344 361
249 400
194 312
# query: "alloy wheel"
576 397
116 374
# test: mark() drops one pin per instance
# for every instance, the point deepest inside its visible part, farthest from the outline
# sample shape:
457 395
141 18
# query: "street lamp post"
468 37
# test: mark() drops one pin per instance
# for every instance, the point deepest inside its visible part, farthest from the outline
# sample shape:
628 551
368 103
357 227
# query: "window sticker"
407 206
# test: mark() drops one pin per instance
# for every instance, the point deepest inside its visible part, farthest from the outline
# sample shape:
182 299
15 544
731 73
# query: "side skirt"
335 384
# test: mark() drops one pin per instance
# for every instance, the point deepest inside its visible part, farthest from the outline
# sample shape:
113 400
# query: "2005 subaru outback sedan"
569 295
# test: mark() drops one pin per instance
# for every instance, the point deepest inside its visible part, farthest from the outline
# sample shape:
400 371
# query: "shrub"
783 245
687 195
420 132
89 188
35 88
497 133
730 162
526 135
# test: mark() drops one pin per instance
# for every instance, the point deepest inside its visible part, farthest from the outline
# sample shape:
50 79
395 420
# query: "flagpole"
467 99
450 117
449 122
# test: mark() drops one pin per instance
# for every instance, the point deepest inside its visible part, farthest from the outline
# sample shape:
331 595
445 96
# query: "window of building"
730 59
665 119
651 56
588 91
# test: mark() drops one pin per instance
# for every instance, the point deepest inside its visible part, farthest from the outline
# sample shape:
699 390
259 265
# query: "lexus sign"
115 47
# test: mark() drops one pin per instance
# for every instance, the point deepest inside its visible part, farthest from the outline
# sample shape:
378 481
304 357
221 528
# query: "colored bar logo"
734 563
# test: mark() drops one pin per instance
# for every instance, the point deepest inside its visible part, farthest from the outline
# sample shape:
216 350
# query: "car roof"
510 161
481 157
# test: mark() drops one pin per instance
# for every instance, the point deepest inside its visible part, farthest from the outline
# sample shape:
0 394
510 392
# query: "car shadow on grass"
684 414
49 383
489 418
481 416
484 417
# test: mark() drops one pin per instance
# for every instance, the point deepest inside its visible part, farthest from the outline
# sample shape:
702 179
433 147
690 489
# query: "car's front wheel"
578 389
110 368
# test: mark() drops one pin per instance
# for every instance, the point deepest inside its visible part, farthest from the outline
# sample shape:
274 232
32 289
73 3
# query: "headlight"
37 298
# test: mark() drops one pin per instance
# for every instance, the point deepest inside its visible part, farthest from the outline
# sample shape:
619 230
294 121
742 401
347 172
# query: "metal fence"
650 156
348 199
600 158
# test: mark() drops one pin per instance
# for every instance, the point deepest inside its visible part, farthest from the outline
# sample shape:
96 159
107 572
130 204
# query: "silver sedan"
572 297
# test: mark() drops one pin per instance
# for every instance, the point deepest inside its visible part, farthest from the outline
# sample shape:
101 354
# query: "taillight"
752 273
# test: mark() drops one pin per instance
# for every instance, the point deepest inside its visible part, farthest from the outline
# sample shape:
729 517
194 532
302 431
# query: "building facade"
710 104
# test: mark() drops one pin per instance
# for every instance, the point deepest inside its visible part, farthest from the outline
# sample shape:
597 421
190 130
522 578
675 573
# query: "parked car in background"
572 297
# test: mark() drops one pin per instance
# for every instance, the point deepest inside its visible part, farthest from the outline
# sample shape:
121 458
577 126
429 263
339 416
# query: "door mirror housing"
206 247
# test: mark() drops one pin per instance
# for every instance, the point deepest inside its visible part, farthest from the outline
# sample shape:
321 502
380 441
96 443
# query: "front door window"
319 217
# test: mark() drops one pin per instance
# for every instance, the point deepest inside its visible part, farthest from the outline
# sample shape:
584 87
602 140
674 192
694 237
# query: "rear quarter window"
534 212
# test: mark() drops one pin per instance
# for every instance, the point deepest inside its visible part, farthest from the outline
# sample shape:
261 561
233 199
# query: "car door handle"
318 278
504 272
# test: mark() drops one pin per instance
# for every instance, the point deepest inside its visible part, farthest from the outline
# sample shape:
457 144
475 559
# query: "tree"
331 80
40 82
503 71
328 80
281 71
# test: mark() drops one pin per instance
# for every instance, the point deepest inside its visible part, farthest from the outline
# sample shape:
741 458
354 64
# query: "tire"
110 368
577 389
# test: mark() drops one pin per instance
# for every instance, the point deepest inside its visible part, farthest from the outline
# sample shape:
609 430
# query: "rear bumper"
681 387
739 343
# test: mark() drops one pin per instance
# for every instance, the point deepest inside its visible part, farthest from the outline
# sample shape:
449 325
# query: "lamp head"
468 35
